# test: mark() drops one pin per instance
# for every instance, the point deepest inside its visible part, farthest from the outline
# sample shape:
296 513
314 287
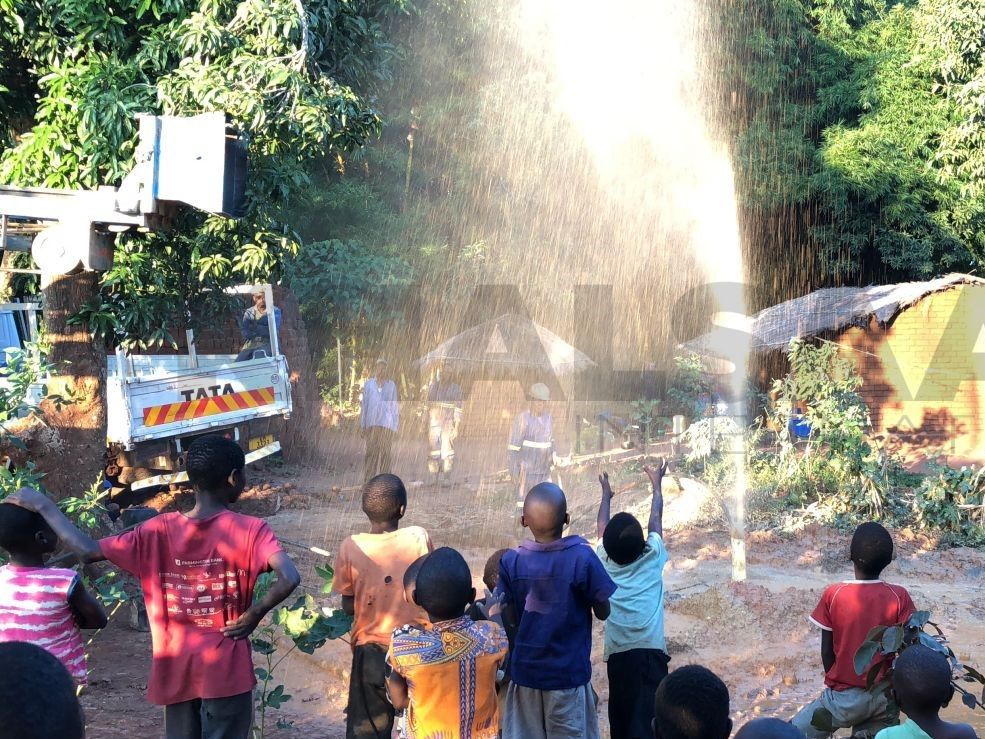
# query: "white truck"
156 405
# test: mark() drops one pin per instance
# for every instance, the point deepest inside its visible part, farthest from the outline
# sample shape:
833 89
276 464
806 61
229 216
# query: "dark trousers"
633 679
210 718
369 714
379 441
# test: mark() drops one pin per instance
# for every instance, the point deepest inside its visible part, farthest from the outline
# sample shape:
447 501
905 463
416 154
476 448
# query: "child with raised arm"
550 588
444 673
847 612
922 686
369 575
635 650
197 571
43 605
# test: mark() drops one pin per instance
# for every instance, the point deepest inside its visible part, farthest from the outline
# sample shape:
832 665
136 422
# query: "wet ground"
754 634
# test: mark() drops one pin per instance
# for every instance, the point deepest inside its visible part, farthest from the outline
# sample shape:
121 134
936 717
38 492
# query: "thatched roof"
830 309
509 343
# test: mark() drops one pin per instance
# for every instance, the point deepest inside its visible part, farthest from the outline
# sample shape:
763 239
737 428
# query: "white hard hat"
540 391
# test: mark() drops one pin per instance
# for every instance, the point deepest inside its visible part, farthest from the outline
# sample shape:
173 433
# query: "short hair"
545 507
872 547
769 728
383 497
410 575
490 573
18 527
37 695
922 679
444 584
692 703
211 460
623 539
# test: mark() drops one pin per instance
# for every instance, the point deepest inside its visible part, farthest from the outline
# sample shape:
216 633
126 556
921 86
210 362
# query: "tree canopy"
297 78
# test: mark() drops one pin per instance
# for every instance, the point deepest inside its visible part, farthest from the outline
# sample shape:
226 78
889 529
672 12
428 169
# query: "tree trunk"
301 432
79 375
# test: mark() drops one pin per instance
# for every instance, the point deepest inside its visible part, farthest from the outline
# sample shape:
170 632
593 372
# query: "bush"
953 500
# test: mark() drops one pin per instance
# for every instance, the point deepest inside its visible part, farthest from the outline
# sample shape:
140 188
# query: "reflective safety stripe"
176 477
436 454
537 444
513 448
449 406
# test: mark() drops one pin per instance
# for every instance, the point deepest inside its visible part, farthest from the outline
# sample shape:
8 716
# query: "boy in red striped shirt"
846 613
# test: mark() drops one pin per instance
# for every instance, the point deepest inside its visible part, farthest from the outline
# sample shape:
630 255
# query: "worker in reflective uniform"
445 402
531 447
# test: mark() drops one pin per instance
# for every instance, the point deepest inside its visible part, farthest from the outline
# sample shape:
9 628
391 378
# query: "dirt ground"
755 634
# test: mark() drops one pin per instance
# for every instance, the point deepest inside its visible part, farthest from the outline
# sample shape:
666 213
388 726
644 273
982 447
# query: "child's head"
769 728
444 585
384 499
410 578
216 464
691 703
872 549
24 532
37 695
922 680
490 574
545 511
623 539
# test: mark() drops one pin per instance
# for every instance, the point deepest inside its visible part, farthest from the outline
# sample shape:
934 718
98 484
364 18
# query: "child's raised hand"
28 498
656 473
606 487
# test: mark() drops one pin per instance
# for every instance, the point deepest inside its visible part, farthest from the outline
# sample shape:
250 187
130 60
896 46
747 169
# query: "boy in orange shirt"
369 575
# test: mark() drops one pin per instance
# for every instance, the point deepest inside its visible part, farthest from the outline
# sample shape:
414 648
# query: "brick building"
919 347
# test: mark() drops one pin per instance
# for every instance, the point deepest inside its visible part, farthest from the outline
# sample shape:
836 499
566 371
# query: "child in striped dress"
45 606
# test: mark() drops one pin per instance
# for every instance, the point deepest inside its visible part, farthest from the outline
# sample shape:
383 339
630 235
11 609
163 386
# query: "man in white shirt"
379 417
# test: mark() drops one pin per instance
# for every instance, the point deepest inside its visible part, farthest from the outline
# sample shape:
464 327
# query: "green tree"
293 75
857 134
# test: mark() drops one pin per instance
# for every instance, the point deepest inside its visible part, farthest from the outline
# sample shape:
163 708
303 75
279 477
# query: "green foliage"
689 383
839 467
859 123
87 511
885 643
953 501
297 84
306 625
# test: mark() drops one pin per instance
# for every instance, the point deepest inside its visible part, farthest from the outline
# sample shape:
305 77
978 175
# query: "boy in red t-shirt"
845 615
197 571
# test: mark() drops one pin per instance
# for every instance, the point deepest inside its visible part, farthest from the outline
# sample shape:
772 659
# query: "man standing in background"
379 416
445 402
531 447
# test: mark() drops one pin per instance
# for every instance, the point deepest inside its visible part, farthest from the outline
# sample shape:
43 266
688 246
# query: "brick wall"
923 381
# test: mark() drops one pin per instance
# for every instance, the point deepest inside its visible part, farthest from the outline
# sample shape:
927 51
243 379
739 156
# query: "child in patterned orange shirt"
444 673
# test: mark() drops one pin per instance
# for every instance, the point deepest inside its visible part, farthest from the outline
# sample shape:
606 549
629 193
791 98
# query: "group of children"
515 664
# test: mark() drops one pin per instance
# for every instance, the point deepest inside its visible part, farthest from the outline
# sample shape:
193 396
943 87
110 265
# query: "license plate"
258 442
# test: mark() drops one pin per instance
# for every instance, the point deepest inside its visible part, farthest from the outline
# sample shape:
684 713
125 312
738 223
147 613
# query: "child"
635 656
37 695
369 575
922 686
846 613
769 728
40 605
550 587
445 673
487 608
197 571
691 703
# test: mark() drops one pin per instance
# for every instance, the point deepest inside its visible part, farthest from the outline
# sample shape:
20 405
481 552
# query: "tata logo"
211 391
